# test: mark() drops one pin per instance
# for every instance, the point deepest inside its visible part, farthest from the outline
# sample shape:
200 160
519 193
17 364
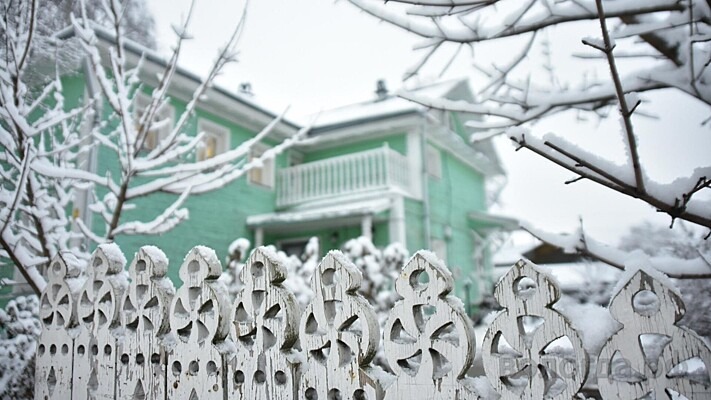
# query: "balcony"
378 169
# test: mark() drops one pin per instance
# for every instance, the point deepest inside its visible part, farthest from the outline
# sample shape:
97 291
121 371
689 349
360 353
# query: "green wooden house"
386 168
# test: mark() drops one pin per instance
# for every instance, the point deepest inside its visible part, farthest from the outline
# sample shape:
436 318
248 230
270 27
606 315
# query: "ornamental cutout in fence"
105 338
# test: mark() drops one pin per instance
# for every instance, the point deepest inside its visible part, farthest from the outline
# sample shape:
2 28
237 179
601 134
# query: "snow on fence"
106 338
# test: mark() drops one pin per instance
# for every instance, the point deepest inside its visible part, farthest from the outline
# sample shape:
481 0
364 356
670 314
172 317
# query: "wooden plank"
523 358
429 340
339 334
53 365
264 328
198 316
142 360
98 315
647 356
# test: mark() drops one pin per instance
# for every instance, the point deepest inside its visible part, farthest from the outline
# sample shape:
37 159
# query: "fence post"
339 334
651 353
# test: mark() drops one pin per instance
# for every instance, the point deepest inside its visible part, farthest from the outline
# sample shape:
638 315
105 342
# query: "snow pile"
238 248
20 329
592 321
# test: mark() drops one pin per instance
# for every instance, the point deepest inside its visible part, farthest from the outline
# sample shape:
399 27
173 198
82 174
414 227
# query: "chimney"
381 90
246 89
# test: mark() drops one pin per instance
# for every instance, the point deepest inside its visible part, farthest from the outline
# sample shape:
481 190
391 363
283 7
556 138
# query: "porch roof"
323 214
483 220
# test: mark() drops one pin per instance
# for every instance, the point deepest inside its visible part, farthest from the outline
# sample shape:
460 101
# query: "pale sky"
318 54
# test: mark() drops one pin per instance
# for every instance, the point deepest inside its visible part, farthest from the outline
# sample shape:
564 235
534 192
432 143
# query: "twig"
624 108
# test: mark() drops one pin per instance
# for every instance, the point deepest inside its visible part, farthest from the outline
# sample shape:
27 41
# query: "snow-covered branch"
676 34
156 152
33 222
581 243
674 198
488 21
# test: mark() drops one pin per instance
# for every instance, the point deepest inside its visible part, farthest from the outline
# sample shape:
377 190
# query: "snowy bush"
379 269
299 270
18 336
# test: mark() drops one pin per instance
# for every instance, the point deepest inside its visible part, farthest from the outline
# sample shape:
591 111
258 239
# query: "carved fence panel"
197 317
651 355
53 368
532 351
98 316
141 357
264 329
428 339
103 338
339 335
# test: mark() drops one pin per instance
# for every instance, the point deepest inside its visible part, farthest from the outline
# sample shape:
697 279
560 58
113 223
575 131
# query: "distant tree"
686 241
137 21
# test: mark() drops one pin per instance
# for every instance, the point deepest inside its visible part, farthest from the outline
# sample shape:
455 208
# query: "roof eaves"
318 130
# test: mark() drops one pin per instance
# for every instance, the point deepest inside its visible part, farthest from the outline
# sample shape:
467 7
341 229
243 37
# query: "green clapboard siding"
452 197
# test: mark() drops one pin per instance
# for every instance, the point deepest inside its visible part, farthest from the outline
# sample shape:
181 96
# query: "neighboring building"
580 278
387 168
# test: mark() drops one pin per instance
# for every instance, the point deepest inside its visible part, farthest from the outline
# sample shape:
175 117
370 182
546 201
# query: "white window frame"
166 111
266 174
212 129
433 161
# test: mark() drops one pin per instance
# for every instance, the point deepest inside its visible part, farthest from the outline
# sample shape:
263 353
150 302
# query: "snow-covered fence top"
113 336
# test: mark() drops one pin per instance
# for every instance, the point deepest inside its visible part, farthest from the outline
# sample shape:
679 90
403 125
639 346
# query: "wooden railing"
364 171
108 338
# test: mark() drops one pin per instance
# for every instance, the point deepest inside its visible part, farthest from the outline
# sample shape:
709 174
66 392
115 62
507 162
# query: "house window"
215 140
433 162
262 175
161 125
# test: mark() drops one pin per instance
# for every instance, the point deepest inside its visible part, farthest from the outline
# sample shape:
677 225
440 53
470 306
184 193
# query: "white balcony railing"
381 168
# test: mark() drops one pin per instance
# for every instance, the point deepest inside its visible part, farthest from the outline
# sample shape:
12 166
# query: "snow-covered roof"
324 213
389 106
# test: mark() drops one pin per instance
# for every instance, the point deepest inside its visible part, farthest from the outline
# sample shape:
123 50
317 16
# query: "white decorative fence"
337 176
110 337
